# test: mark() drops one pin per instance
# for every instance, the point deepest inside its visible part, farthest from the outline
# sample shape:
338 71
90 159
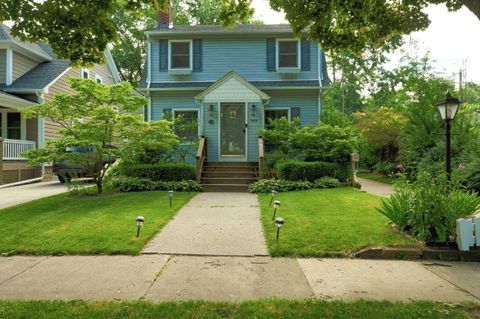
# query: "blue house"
232 81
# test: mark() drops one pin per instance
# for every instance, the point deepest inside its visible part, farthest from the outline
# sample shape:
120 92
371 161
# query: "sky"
452 39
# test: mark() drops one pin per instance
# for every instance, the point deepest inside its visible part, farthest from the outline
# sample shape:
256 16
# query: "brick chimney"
165 19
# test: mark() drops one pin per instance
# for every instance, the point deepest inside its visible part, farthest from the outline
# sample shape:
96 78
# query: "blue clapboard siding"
254 125
246 56
172 100
210 130
306 100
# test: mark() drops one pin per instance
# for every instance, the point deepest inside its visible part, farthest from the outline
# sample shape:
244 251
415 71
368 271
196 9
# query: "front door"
232 130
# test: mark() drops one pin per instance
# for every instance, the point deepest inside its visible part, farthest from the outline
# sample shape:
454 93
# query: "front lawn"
262 309
65 224
329 222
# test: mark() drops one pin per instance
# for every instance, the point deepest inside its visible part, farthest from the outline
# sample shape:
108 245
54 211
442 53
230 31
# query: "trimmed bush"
280 185
311 171
137 184
161 171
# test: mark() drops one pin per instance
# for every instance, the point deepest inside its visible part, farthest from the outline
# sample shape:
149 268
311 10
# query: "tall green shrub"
311 171
161 171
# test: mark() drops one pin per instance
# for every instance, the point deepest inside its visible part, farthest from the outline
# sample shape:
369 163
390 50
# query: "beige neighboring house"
31 74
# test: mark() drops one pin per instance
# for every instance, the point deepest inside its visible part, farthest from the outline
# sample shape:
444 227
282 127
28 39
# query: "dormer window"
180 60
288 55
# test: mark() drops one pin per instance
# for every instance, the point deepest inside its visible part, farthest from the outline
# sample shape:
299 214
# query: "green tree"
100 119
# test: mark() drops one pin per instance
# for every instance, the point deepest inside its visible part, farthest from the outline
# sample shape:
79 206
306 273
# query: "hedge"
161 171
311 171
137 184
279 185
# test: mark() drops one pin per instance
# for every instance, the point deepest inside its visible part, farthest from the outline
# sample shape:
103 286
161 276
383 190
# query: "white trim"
98 77
281 80
299 54
112 66
45 89
243 158
149 108
84 70
149 62
9 67
41 129
189 109
23 127
190 68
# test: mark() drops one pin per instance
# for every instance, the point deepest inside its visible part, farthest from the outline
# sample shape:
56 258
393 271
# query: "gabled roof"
227 77
33 48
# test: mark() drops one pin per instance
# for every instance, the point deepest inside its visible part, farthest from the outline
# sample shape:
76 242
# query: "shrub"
429 207
280 185
385 168
161 171
137 184
311 171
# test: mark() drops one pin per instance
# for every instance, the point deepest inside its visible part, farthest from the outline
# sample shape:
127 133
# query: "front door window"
232 129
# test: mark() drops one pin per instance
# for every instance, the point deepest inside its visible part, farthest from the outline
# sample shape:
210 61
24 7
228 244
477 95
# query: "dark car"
66 172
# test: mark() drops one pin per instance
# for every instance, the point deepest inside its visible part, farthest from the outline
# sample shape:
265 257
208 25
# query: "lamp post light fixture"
448 108
139 222
170 197
276 204
274 193
279 221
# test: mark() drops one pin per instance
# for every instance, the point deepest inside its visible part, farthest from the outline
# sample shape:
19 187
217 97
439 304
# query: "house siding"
246 56
21 65
3 66
306 100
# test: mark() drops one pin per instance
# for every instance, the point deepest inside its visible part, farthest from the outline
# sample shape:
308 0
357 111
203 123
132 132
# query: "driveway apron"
213 224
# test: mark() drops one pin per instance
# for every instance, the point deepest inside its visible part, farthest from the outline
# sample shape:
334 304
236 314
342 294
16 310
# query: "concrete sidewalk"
161 277
213 224
11 196
376 188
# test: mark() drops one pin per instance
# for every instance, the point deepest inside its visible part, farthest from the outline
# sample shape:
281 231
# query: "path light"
279 223
190 182
139 221
276 204
170 197
274 193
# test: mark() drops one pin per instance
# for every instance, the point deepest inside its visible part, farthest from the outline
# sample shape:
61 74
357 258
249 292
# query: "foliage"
385 168
97 118
279 134
281 185
66 224
161 171
139 184
333 116
310 171
429 207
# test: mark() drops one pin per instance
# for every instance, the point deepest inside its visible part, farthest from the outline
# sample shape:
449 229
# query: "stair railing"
201 156
260 156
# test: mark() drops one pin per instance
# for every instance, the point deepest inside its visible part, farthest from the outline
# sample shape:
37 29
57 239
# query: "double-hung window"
181 55
288 54
13 126
274 114
186 124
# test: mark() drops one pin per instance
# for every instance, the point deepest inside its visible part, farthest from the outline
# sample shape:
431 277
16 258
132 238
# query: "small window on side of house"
98 79
180 55
85 74
13 126
271 115
186 124
288 54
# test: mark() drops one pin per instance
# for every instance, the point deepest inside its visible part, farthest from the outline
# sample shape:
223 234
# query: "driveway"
213 224
11 196
376 188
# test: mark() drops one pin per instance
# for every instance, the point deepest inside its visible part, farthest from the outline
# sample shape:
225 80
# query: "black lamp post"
448 109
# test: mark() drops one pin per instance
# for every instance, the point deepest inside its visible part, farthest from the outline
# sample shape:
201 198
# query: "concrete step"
225 187
231 164
228 180
230 169
230 174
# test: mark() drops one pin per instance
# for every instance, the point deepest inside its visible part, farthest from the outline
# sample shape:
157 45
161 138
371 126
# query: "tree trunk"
472 5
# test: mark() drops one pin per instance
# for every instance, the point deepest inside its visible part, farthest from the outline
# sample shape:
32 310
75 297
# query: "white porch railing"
13 148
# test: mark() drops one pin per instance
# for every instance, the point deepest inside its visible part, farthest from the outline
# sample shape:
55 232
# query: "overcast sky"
451 38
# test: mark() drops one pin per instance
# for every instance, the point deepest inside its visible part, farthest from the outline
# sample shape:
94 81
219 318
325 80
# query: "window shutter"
271 55
295 113
167 114
163 53
197 55
305 48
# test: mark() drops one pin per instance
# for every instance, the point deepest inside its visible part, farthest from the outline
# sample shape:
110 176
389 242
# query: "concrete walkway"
376 188
11 196
161 278
213 224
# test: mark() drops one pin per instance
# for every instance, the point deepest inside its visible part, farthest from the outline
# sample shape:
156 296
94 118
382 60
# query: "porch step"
228 176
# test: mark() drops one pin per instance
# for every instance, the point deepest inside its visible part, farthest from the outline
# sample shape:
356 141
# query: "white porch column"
9 70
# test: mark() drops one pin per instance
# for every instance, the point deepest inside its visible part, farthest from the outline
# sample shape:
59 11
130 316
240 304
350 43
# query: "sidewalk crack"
156 277
23 271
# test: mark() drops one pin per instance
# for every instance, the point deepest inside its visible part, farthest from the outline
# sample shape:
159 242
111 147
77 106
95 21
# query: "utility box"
465 238
476 226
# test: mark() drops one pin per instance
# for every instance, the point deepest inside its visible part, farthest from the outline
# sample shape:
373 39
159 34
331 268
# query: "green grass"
66 224
253 309
376 178
329 222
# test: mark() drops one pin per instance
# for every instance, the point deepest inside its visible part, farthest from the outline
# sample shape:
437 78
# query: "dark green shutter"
295 113
305 48
167 114
163 53
197 55
271 55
